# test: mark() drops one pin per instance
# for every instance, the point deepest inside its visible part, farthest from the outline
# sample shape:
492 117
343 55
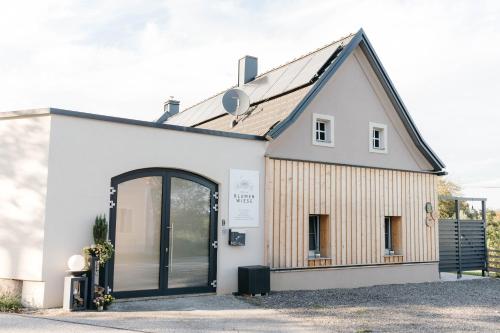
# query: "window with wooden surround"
314 236
392 235
378 138
319 239
323 130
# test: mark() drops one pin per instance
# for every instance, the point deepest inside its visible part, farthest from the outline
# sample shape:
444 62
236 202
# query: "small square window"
323 130
378 138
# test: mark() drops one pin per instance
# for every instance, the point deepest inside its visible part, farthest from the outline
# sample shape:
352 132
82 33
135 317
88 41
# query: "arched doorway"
164 229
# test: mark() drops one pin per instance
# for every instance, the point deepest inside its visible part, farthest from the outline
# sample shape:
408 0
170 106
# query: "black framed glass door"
163 227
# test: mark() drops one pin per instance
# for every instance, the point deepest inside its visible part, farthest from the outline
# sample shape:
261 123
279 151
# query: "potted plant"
102 252
108 299
100 229
102 249
97 255
99 303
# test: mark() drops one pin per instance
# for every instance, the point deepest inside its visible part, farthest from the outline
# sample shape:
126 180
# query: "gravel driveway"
466 306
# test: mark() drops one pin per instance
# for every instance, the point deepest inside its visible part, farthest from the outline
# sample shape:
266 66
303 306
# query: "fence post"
457 216
483 211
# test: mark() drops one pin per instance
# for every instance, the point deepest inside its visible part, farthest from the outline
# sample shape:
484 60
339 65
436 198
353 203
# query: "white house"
338 174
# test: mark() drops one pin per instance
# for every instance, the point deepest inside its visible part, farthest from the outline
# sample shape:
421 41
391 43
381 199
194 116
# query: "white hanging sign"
243 198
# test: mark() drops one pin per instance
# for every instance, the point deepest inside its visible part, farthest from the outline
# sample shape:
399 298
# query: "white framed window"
378 138
323 130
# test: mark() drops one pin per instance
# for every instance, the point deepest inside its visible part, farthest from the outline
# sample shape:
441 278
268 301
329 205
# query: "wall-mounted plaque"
243 198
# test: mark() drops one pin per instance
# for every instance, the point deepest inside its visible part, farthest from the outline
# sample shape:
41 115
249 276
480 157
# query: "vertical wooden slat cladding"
288 214
355 199
269 202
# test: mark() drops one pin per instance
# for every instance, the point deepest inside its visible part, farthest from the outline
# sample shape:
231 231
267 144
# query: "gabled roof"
273 96
274 83
360 39
262 116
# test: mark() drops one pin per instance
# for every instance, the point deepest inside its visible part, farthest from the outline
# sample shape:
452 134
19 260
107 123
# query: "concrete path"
463 306
187 314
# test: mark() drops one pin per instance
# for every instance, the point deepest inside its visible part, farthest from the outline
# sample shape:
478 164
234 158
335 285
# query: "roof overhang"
361 40
126 121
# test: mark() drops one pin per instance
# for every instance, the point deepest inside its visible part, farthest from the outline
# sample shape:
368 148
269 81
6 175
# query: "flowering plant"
103 251
99 301
108 299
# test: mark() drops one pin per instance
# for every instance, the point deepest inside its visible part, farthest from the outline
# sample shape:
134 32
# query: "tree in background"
449 189
447 211
493 228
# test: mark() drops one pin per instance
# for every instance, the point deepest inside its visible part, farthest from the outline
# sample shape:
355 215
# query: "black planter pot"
94 276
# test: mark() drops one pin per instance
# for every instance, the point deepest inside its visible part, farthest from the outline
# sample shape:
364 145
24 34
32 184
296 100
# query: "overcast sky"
124 58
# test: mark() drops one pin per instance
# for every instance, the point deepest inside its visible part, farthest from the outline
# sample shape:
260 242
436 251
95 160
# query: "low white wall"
353 277
85 154
24 151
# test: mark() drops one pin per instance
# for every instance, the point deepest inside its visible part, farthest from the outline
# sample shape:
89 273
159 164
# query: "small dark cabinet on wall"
254 280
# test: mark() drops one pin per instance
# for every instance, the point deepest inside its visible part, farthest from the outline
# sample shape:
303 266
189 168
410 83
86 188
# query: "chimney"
247 70
170 107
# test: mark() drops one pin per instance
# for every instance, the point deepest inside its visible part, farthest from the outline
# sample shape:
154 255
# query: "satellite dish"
235 101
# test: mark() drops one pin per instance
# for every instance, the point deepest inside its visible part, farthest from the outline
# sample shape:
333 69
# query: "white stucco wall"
355 97
24 151
85 154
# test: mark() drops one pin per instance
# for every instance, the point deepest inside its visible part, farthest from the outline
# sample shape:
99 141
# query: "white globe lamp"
76 263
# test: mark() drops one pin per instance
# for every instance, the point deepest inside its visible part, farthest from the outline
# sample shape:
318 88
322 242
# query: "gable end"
361 39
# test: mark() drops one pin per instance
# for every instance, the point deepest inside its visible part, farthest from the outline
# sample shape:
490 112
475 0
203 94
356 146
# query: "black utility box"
236 238
254 280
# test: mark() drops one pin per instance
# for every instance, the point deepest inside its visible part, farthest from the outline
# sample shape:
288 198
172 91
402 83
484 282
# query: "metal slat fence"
462 242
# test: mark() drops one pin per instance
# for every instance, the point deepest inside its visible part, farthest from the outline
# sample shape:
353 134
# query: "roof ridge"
305 55
269 71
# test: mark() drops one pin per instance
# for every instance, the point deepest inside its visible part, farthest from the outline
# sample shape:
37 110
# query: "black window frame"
321 133
315 246
377 135
167 174
388 233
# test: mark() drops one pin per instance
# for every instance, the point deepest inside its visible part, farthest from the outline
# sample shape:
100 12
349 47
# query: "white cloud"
125 57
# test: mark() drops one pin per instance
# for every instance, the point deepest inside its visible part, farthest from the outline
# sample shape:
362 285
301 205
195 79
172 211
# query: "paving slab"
184 314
